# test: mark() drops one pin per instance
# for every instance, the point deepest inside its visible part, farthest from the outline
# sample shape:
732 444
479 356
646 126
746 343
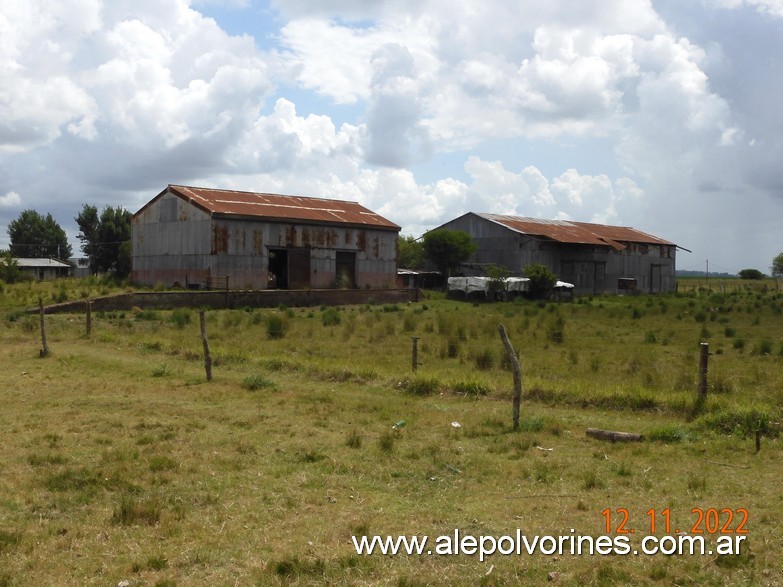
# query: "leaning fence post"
512 357
45 347
704 358
205 342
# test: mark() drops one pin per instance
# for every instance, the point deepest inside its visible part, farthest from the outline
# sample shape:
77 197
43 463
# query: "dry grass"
116 469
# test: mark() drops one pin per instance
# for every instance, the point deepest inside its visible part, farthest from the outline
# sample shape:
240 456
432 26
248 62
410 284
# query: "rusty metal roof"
567 231
279 207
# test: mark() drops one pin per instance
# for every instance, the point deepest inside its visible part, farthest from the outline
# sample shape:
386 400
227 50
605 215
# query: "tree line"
105 240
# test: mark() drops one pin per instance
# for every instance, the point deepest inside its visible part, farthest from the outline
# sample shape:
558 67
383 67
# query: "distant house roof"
567 231
29 263
276 207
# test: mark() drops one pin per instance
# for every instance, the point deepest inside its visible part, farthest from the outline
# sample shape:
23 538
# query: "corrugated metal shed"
276 207
566 231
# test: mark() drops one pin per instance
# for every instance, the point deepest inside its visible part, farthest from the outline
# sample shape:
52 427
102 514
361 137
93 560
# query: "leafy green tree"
35 236
106 239
777 266
751 274
447 249
542 280
410 252
9 268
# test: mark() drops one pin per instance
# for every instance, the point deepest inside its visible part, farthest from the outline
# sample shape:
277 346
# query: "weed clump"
420 385
9 540
484 359
132 512
555 329
386 441
276 326
180 317
669 434
331 317
473 388
742 422
293 567
354 439
257 381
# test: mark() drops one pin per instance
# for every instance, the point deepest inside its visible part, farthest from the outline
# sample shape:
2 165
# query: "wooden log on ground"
614 436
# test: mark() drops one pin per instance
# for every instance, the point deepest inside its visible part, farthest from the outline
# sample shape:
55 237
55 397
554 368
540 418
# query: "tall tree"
35 236
410 252
447 249
777 266
106 239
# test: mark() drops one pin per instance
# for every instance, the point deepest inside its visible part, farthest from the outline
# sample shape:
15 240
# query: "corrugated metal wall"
173 241
592 269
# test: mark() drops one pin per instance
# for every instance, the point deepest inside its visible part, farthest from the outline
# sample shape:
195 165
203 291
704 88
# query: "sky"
663 115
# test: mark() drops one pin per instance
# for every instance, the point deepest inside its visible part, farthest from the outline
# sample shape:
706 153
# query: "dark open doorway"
346 270
289 268
278 268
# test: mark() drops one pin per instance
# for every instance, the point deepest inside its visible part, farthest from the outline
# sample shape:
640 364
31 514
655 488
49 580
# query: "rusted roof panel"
566 231
279 207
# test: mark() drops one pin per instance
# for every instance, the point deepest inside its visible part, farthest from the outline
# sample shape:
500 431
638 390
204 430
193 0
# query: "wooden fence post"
45 347
88 314
205 342
415 353
512 357
704 358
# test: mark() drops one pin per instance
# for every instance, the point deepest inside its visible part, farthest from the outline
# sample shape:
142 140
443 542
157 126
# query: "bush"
542 281
276 326
753 274
331 317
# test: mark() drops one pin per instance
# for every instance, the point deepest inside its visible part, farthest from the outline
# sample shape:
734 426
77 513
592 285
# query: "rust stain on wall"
219 240
290 236
258 242
361 240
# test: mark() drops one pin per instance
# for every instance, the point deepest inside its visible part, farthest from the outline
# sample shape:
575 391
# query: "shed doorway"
289 268
278 269
346 270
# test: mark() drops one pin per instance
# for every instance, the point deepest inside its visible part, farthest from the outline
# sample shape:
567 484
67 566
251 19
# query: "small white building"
42 269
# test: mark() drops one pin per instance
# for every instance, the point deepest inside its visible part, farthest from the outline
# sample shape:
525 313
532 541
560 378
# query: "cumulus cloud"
603 112
771 7
10 200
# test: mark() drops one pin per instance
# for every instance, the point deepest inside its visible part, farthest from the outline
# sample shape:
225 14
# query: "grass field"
121 463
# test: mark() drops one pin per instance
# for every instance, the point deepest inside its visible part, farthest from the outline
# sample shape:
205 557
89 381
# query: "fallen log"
614 436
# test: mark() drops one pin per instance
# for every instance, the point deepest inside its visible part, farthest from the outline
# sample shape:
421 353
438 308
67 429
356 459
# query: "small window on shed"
626 284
